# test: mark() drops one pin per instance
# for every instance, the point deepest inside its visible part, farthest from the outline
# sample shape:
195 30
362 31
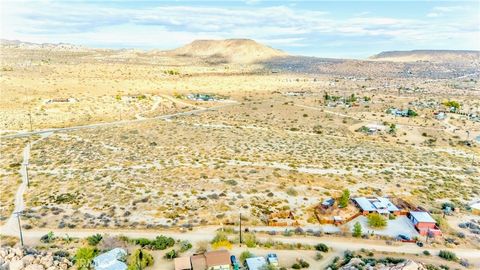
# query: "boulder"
28 259
34 267
16 265
63 266
47 261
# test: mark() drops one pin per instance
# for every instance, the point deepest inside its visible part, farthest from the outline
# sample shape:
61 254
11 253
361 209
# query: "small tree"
357 229
447 255
139 259
94 239
84 257
321 247
343 201
376 220
245 255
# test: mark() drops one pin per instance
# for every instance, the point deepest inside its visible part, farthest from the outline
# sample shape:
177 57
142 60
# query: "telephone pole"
240 229
19 226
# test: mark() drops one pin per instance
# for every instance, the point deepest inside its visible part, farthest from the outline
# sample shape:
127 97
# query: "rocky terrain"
32 259
357 264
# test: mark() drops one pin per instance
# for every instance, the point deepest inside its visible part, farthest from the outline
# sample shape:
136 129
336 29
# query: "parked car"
403 237
234 262
272 259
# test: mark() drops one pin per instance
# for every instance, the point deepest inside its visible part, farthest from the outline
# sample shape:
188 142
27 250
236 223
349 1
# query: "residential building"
424 223
379 205
198 262
110 260
475 208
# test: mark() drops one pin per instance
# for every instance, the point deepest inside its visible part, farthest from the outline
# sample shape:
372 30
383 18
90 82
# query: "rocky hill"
16 44
428 55
230 50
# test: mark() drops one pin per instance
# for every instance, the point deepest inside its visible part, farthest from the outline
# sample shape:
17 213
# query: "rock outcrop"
31 259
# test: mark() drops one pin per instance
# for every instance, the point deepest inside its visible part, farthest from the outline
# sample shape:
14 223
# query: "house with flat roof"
424 223
378 205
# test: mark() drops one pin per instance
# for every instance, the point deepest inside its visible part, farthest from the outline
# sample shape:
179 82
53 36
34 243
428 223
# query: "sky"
342 29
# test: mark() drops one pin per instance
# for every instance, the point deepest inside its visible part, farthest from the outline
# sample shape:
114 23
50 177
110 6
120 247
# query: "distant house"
475 208
256 263
218 260
440 115
61 100
110 260
398 112
424 223
182 263
379 205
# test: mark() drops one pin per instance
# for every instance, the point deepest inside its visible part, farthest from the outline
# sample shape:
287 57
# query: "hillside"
229 50
428 55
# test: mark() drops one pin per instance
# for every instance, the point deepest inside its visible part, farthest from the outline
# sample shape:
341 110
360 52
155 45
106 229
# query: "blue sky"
348 29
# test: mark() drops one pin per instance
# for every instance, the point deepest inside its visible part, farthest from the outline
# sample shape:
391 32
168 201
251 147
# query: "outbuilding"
424 223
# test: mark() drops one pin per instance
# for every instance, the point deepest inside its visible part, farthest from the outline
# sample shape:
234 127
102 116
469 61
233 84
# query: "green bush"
426 252
94 239
172 254
84 256
357 229
321 247
343 201
245 255
139 259
250 240
162 242
296 266
376 220
447 255
185 245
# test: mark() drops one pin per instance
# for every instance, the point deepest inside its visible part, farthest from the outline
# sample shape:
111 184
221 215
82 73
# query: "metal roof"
422 216
256 263
110 260
379 204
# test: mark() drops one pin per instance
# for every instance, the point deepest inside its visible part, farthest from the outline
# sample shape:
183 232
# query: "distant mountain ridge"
428 55
232 50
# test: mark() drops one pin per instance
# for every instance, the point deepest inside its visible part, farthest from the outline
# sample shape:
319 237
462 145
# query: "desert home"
110 260
212 260
378 205
424 223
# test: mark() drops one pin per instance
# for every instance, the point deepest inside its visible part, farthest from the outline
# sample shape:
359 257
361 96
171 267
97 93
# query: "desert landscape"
193 137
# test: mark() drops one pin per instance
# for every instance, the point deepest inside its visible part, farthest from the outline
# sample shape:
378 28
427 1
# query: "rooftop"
379 204
218 257
422 216
256 263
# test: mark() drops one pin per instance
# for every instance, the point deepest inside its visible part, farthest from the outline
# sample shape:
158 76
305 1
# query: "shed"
218 260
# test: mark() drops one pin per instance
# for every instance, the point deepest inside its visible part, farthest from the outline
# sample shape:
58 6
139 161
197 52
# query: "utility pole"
19 226
240 229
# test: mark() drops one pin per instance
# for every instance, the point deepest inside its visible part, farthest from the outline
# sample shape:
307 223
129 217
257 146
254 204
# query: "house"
475 208
397 112
182 263
424 223
440 115
110 260
378 205
256 263
218 260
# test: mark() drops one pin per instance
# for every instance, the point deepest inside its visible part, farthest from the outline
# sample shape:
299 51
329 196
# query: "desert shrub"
220 236
61 253
321 247
185 245
245 255
84 256
222 244
142 242
292 192
447 255
162 242
172 254
318 256
47 238
93 240
139 259
376 220
303 263
426 252
296 266
250 240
